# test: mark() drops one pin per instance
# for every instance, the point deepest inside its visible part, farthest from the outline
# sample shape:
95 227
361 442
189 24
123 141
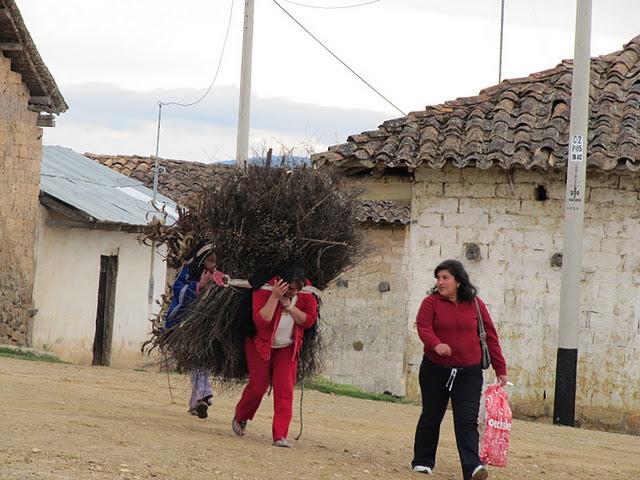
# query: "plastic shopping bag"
494 442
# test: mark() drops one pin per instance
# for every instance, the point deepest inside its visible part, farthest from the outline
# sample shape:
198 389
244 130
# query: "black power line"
338 58
215 76
332 8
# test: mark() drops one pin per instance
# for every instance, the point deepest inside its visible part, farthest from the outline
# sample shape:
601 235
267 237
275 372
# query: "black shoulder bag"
486 357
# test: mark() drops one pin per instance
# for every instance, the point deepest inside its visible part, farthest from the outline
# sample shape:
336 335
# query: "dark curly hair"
293 274
466 291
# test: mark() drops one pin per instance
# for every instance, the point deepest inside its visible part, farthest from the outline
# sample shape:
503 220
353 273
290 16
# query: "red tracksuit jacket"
266 330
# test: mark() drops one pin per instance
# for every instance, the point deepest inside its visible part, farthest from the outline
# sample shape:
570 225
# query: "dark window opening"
541 193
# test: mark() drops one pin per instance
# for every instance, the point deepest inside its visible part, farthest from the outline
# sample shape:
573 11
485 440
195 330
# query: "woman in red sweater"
447 324
282 310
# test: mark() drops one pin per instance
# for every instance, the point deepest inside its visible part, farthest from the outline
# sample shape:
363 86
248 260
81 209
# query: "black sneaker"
201 409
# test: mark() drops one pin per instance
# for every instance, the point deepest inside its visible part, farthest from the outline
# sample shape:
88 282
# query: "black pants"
465 400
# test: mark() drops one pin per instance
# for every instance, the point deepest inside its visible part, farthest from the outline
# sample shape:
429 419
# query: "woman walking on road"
282 311
447 324
195 276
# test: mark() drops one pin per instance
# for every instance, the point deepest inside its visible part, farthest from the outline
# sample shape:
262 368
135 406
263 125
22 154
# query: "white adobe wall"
517 236
66 292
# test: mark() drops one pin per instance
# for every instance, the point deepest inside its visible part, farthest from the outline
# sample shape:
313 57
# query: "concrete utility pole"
242 151
152 255
569 326
501 40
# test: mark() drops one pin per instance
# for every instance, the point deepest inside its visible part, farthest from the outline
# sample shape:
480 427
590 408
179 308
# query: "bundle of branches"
213 341
266 218
179 238
259 221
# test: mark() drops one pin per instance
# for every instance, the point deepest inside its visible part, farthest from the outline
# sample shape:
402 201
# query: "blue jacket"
184 292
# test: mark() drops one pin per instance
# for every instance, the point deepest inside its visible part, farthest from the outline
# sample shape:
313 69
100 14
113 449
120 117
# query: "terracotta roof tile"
384 211
522 121
180 180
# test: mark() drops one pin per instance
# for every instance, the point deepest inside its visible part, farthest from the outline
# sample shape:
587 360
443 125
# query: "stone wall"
20 154
366 327
518 234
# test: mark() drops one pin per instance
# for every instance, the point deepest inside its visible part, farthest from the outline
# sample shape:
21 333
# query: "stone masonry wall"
517 235
366 327
20 154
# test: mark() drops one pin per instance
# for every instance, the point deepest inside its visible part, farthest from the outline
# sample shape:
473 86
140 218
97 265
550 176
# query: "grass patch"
26 355
324 385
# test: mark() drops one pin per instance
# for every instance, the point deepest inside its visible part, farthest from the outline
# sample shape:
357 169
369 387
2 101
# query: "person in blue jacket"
194 276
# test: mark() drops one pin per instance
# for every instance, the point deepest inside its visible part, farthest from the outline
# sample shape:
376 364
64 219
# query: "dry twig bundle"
258 222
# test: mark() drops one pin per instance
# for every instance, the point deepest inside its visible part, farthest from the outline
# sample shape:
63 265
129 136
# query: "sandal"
238 427
283 442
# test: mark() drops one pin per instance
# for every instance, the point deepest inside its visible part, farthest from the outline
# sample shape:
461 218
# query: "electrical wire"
332 8
215 77
178 104
339 59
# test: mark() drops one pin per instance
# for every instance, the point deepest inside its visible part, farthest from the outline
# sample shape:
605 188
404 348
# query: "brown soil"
72 422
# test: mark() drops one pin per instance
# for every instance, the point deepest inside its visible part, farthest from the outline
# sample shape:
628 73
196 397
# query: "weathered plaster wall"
20 154
366 327
397 189
518 235
66 292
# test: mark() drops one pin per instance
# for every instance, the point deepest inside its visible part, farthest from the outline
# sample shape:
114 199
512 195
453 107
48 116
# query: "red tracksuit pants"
279 371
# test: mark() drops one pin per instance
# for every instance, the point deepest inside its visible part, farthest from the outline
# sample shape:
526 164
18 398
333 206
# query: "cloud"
104 118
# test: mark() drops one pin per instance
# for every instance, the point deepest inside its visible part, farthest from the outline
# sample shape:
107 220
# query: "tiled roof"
17 45
179 180
523 121
384 211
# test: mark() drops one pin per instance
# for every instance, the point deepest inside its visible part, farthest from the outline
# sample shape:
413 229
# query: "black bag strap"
481 331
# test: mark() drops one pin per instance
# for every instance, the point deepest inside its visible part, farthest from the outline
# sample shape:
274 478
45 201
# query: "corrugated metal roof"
98 191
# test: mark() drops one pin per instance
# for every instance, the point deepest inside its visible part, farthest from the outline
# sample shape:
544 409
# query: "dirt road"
70 422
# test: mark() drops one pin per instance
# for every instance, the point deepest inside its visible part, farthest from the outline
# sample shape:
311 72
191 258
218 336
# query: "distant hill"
275 160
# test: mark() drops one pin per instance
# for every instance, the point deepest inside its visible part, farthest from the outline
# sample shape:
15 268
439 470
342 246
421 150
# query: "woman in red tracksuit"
282 310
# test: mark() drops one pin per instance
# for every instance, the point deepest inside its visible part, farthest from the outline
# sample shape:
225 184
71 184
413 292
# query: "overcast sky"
115 59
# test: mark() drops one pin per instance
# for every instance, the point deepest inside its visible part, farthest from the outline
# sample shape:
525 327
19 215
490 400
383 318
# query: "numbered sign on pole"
577 148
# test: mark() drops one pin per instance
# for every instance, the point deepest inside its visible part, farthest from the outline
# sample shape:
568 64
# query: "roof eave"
27 61
70 216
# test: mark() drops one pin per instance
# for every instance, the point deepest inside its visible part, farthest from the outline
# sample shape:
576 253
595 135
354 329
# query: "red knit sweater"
440 320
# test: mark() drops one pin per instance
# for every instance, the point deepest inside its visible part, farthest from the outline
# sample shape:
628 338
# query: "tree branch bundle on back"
258 222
